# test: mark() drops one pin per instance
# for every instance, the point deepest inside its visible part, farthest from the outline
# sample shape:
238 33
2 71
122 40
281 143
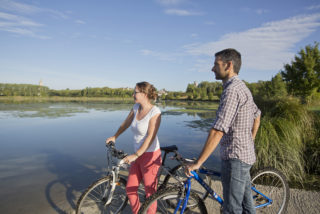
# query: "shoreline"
62 99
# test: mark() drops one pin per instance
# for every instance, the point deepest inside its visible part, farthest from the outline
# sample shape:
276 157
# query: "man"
236 125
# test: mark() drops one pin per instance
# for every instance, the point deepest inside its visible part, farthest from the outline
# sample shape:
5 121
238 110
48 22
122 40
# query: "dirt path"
301 202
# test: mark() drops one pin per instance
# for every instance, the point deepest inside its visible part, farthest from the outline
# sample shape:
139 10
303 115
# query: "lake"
50 152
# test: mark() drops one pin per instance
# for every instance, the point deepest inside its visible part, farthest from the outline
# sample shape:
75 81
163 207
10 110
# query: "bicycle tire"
195 186
274 185
167 201
92 201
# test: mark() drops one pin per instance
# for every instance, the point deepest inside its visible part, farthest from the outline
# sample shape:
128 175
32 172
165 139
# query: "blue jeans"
236 184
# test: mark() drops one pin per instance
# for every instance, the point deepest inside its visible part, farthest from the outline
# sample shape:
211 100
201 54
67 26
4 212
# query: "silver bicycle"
108 194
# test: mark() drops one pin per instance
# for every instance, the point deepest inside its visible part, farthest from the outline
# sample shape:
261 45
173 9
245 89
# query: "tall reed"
285 130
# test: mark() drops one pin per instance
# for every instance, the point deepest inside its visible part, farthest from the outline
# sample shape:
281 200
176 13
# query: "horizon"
169 43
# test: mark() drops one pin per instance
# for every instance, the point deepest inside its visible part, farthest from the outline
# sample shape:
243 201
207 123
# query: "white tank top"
140 128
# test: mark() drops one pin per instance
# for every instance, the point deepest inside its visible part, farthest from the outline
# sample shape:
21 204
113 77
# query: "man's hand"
212 142
191 167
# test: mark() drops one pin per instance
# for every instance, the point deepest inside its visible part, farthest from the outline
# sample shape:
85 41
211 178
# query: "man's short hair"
233 55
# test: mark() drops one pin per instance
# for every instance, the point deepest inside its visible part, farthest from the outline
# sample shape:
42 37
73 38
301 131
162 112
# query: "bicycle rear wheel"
167 200
272 183
94 199
179 173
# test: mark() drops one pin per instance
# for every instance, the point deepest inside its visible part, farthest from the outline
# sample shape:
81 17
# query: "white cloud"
18 7
266 47
19 25
127 41
261 11
15 20
170 2
80 22
179 12
258 11
202 65
194 35
209 23
313 7
28 9
24 32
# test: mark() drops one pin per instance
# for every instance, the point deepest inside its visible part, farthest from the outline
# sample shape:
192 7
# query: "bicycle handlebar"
181 159
114 152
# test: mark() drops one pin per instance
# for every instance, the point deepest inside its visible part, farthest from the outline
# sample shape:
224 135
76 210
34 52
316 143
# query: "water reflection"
203 112
72 183
57 109
50 152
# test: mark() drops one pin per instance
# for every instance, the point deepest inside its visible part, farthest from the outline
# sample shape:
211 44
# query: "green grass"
288 139
192 110
192 106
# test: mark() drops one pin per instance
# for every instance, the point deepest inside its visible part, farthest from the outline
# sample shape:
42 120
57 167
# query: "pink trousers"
145 169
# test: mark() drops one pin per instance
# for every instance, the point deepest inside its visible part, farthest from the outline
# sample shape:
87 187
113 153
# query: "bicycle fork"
108 192
184 197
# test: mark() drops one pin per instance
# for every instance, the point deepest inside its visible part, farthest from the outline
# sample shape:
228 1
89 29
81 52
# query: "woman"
144 119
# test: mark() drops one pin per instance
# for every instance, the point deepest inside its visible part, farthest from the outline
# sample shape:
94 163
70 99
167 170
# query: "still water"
50 152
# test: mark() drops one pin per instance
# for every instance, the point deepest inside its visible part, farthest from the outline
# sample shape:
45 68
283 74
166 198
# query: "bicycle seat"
169 148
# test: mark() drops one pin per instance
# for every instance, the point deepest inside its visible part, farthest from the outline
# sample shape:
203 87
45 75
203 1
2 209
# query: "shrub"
284 137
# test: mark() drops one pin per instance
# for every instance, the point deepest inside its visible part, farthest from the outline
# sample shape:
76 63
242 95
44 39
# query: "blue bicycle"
269 187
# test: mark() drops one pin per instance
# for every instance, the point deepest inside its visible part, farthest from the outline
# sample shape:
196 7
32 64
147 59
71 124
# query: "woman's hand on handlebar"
111 139
130 158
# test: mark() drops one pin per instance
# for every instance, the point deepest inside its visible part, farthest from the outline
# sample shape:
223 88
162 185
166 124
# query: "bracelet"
136 155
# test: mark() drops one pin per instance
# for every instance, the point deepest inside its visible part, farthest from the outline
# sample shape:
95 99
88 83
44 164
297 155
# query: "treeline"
203 91
94 92
275 88
23 90
43 91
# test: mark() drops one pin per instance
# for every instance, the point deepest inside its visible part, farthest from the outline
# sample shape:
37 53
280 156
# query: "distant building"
162 92
39 89
195 83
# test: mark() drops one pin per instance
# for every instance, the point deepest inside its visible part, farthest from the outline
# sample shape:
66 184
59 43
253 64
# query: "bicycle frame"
114 170
187 186
163 167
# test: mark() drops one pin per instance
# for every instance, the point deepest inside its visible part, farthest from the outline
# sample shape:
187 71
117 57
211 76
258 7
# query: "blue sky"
170 43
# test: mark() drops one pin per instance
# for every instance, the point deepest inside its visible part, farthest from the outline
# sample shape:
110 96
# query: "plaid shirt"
235 117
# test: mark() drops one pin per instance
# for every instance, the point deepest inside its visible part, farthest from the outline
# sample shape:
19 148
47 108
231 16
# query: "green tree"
303 74
277 87
170 96
190 88
190 96
196 93
203 93
163 97
210 96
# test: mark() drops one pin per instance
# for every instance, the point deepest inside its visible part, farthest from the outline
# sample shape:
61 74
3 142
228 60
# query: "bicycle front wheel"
95 198
273 184
178 173
167 201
